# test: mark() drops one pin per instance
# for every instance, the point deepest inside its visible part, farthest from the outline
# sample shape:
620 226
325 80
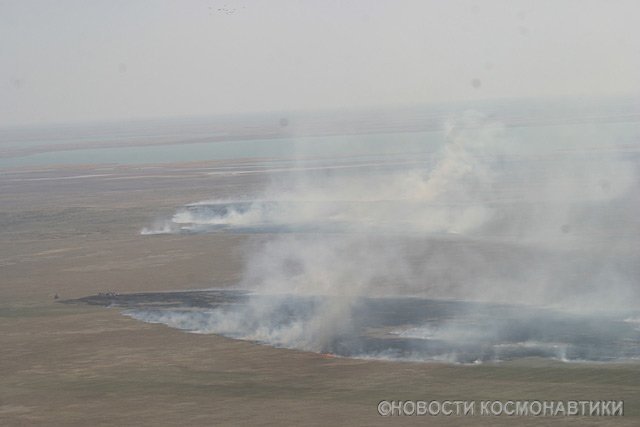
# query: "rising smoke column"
487 217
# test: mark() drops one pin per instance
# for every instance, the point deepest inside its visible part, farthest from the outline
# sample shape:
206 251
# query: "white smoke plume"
491 215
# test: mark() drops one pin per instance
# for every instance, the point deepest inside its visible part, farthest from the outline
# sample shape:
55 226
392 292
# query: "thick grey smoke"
537 216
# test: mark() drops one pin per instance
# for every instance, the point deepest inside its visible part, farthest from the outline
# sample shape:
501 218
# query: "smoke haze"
519 216
71 60
503 225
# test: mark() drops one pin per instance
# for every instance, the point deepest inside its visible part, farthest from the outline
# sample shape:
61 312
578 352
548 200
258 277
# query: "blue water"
324 146
525 139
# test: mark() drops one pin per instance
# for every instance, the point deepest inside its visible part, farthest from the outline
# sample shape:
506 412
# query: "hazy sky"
102 60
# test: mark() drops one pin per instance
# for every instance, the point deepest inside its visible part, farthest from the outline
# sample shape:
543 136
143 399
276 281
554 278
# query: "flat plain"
74 231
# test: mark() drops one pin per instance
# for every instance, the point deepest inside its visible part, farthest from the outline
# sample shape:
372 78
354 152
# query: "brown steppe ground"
73 365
